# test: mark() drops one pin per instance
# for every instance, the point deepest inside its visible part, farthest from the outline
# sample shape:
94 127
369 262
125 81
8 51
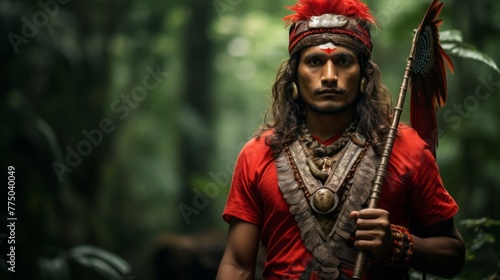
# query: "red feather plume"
304 9
428 78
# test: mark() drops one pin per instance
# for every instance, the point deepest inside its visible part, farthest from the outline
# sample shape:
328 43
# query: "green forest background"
123 120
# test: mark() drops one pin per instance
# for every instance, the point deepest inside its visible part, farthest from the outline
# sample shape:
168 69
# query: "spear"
426 70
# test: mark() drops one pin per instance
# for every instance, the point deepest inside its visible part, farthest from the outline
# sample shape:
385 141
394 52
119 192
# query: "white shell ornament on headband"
327 21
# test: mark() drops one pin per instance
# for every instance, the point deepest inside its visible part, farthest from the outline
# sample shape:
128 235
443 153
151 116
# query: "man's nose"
329 74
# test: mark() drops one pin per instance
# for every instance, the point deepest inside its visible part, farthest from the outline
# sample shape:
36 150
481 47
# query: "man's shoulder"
408 139
409 150
258 143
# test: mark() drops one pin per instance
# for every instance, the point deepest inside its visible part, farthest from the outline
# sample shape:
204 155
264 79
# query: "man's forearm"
441 256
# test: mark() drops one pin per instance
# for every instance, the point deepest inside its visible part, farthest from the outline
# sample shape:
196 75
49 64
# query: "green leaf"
54 268
482 222
480 240
98 265
97 257
448 36
469 255
491 222
452 42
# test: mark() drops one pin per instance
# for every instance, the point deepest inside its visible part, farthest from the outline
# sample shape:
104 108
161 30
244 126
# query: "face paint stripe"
328 47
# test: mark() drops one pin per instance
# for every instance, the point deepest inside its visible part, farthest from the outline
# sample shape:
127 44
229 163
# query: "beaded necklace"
321 158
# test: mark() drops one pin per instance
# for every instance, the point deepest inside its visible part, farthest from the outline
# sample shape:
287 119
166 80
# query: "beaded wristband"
402 247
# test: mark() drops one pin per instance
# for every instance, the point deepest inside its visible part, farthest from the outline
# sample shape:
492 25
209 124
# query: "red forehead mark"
328 48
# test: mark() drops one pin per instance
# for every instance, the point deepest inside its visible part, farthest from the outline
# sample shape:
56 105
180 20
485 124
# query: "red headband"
345 22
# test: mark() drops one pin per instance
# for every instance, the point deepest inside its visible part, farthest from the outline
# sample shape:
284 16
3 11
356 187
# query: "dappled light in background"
124 120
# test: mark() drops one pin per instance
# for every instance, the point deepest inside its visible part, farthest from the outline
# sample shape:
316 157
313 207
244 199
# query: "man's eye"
344 61
314 62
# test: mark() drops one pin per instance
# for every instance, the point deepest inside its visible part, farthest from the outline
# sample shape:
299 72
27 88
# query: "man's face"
329 77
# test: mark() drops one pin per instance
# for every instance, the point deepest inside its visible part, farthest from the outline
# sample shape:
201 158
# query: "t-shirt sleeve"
431 202
244 201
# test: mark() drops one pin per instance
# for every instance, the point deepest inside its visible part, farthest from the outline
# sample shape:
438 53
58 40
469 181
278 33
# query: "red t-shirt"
413 191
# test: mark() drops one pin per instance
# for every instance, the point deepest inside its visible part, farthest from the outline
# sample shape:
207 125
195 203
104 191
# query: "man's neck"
325 126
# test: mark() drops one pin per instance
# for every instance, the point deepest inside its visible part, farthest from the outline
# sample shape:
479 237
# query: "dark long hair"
373 109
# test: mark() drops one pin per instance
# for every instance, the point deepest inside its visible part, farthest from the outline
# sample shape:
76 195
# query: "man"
301 185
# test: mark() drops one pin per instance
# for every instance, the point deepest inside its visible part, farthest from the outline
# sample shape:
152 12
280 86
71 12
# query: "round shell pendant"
324 201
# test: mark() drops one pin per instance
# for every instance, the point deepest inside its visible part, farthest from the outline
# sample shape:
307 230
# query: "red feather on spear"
428 77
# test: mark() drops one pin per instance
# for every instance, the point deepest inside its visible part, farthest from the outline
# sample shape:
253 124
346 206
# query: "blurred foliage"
452 43
123 120
482 235
104 264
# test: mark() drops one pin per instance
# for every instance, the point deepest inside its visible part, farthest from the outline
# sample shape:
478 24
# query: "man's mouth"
326 91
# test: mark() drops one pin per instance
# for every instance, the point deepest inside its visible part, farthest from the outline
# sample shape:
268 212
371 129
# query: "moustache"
329 90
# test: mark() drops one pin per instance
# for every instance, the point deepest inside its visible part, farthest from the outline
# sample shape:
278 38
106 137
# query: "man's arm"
437 249
240 255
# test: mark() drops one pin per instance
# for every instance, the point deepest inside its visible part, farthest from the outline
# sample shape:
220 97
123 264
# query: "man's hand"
373 231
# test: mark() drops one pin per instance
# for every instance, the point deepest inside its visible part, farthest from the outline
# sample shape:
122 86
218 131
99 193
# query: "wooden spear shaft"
386 154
